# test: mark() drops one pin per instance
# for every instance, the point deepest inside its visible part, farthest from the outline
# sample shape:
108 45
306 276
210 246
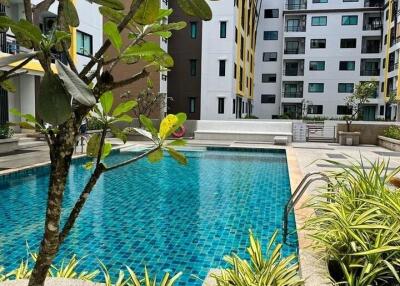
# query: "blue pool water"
166 216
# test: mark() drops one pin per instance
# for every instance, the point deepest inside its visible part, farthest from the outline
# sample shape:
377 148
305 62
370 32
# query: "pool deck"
302 158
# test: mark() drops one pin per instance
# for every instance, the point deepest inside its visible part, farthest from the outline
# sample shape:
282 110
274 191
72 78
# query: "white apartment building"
88 37
310 54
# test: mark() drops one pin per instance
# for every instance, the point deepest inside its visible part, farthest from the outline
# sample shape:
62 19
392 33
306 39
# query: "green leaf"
4 61
75 86
145 49
177 156
164 34
106 101
123 118
26 125
54 104
148 123
198 8
27 31
178 142
111 31
144 133
27 117
93 145
88 165
155 156
162 13
61 36
148 12
168 27
113 4
124 107
111 14
106 150
70 14
118 133
8 85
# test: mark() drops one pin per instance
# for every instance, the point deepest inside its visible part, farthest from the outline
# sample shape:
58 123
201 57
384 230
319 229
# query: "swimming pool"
164 215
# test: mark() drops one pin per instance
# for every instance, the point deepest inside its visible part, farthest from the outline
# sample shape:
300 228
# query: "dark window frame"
91 43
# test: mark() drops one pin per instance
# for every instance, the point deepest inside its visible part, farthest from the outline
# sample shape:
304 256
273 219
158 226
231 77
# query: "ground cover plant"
357 224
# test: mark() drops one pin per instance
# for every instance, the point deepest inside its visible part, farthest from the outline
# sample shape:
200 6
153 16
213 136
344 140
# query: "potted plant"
363 91
7 143
6 132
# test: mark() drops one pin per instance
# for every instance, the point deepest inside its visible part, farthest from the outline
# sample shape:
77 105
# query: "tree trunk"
61 156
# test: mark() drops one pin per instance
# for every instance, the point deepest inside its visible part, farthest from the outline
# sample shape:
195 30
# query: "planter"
349 138
8 145
389 143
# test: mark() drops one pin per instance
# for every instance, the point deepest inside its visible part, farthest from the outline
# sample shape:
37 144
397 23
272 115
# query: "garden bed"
389 143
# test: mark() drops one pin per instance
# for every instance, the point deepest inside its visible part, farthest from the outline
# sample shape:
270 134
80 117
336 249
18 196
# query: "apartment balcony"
296 5
8 44
370 67
294 46
295 23
372 22
374 3
293 67
292 89
371 45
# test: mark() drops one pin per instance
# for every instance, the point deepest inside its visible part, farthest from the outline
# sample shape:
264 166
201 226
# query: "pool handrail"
297 194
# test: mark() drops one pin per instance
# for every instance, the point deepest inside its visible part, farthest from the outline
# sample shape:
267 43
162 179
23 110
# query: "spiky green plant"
132 279
357 225
272 269
67 269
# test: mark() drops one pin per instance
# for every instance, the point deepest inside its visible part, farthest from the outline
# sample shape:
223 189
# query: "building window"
84 44
222 64
221 103
271 13
268 77
317 65
315 87
348 43
234 106
349 20
236 35
315 109
270 56
267 98
320 1
193 67
270 35
345 87
241 48
382 110
318 44
241 78
193 30
347 65
343 110
319 21
192 104
222 29
234 70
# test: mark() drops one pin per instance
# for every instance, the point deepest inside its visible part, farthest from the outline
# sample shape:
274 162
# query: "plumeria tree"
67 95
363 91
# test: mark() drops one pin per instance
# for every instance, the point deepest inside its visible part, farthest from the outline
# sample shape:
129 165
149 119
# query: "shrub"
392 132
357 225
6 132
260 270
94 124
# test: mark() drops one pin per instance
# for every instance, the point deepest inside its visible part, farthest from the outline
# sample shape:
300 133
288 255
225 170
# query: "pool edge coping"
312 268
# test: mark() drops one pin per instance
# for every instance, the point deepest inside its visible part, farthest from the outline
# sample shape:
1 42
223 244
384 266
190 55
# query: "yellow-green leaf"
106 101
111 30
155 156
177 156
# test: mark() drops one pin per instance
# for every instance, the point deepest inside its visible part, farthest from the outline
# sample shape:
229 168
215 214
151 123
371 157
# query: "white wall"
214 49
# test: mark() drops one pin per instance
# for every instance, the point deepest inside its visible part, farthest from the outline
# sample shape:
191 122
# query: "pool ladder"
297 194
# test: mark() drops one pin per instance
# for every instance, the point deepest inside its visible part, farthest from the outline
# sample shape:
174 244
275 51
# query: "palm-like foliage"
357 225
260 270
68 269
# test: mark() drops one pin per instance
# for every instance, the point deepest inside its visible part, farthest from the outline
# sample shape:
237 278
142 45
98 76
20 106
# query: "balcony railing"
296 6
372 27
300 28
371 50
297 51
373 3
370 72
293 94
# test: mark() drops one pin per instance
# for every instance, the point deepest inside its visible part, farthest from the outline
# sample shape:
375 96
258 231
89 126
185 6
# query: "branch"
135 5
28 10
69 59
39 8
134 159
80 203
144 73
8 74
